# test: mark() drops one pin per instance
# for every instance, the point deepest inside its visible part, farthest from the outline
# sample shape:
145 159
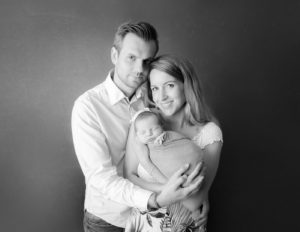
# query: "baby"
148 129
167 150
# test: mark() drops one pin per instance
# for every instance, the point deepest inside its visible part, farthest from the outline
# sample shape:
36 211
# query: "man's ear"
114 55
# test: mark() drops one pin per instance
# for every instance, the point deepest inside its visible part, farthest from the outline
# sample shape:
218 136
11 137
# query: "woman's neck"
175 122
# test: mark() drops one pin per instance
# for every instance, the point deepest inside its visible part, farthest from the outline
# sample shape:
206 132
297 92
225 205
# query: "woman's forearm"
195 201
133 149
152 186
211 162
152 169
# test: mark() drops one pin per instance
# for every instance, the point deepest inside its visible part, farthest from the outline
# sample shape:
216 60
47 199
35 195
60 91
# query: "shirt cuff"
141 198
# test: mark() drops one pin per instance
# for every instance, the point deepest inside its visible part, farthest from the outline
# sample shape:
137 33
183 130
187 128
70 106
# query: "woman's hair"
143 30
196 110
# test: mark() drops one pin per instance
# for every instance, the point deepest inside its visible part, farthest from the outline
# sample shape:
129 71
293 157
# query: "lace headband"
138 113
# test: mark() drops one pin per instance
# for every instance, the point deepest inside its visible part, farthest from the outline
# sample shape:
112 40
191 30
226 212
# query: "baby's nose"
149 132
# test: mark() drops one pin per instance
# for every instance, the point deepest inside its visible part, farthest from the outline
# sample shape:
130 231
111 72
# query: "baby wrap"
175 151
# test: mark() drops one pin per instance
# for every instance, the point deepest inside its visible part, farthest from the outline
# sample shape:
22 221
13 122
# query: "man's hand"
176 189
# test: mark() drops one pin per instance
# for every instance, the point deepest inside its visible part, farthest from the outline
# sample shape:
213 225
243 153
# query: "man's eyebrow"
130 54
149 60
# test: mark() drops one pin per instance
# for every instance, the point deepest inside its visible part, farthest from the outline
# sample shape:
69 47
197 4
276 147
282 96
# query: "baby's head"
147 126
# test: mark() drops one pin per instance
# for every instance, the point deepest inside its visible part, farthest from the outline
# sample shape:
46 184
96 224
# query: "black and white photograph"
149 116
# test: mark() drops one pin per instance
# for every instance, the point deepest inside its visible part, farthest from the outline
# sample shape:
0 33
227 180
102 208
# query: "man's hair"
143 30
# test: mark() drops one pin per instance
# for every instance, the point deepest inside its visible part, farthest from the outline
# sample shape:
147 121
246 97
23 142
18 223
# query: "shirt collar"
115 94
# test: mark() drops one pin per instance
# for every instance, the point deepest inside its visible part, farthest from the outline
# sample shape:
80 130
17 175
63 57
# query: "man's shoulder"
92 94
90 102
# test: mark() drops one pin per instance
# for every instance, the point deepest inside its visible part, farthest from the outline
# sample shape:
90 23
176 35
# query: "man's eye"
171 85
153 89
131 58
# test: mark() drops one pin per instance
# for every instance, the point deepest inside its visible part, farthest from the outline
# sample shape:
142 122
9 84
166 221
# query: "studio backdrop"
246 54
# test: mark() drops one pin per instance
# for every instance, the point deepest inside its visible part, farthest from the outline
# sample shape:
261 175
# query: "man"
100 124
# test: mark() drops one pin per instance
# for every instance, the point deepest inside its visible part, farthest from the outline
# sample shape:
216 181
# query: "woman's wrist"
153 203
156 201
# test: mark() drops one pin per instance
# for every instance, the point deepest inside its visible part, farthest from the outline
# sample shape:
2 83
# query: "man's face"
132 62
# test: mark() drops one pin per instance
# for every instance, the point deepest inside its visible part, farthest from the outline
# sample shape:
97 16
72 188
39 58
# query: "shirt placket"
135 106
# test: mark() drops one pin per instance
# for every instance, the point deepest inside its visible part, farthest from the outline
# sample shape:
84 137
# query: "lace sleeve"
209 134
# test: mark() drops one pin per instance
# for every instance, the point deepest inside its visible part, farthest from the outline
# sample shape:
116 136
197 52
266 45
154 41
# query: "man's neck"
128 92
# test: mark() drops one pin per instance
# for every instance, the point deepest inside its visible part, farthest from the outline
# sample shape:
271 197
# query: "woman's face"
167 92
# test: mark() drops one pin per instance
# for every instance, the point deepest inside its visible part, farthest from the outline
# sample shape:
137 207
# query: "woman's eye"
171 85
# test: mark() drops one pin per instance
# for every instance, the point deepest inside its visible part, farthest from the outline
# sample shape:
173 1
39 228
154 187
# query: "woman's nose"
162 94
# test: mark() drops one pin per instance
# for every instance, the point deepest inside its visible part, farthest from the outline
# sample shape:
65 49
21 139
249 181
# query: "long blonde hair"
196 110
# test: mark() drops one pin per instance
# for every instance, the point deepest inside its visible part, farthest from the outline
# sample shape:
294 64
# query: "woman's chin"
167 113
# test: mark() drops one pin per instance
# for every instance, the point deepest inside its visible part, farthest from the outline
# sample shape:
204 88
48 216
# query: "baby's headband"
138 113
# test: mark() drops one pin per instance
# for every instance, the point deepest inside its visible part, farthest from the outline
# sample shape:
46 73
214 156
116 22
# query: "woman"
176 92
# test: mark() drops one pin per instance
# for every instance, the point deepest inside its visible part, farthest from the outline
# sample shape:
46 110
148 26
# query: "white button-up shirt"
100 125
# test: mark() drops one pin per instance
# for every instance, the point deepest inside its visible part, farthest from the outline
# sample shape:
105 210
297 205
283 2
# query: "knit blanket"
175 151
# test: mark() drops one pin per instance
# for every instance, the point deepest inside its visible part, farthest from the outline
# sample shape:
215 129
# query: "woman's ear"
114 55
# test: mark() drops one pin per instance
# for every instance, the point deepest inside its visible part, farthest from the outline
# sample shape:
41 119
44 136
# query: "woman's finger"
194 187
181 171
195 172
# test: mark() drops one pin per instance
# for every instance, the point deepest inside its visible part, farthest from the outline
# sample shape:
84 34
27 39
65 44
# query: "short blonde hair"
143 30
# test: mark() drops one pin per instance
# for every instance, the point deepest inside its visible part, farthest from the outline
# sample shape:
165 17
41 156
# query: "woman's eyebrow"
170 82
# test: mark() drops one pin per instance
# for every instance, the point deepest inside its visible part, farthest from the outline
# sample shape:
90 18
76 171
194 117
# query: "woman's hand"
174 190
200 215
198 171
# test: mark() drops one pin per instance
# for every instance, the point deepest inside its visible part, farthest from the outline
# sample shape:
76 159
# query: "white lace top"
208 134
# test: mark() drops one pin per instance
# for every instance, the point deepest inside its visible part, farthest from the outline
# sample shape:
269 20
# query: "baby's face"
148 129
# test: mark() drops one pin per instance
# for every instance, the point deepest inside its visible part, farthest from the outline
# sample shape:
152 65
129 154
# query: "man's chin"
136 84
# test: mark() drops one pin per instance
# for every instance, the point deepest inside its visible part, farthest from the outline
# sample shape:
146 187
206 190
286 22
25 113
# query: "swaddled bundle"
174 151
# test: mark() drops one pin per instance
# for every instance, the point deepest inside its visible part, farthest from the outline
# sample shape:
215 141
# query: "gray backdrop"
247 55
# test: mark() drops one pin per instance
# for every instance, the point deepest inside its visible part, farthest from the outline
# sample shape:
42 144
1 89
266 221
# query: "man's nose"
139 67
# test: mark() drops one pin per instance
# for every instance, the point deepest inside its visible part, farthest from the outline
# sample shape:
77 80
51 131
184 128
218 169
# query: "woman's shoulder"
208 133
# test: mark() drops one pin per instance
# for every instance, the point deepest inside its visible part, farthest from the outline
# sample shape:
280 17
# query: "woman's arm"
211 158
148 165
133 148
211 162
